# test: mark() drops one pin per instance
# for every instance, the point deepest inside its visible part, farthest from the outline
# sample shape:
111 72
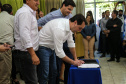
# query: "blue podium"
84 75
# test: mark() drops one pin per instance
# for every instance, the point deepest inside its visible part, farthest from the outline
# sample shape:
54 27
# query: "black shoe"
111 60
102 56
117 60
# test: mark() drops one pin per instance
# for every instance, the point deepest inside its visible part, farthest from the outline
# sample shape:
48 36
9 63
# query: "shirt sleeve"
58 36
70 41
93 30
24 30
103 26
83 33
43 20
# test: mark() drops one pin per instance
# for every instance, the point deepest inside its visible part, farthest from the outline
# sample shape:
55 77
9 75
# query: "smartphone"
12 47
120 2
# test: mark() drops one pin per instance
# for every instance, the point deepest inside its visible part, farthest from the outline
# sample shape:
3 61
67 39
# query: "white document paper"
89 66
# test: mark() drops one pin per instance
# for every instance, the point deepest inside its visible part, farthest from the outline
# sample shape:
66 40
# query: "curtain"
52 4
16 4
80 8
42 6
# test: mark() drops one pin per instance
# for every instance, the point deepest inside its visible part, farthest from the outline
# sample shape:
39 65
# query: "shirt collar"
61 13
30 9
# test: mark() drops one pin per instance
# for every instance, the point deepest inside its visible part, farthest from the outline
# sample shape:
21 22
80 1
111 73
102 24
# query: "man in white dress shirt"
26 40
51 39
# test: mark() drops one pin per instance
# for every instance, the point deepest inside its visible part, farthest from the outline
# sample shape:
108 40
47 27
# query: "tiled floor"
112 72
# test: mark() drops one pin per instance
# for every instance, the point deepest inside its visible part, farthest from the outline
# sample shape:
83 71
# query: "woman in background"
88 34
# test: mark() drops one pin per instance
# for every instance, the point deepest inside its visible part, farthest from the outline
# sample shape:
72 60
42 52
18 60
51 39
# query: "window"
99 6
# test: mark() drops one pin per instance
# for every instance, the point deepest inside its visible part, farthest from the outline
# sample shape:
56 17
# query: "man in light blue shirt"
63 12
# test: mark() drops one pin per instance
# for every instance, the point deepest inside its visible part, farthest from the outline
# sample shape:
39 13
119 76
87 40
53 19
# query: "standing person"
88 37
6 36
114 29
92 21
100 36
63 12
52 37
26 40
104 34
121 17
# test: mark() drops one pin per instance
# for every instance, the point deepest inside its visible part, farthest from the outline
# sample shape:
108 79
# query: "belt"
18 51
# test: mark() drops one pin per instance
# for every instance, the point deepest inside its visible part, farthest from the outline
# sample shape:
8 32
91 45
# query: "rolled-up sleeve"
70 41
24 30
58 43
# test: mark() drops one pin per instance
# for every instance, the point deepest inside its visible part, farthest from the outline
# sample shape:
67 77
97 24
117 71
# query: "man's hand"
34 57
35 60
4 48
114 25
78 62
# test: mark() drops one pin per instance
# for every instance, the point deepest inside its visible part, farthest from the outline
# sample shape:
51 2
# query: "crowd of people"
44 43
112 33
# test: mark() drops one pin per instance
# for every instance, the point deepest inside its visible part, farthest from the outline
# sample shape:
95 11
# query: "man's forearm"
31 51
68 60
73 51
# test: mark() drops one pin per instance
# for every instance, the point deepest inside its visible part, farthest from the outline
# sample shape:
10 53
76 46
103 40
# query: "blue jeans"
47 69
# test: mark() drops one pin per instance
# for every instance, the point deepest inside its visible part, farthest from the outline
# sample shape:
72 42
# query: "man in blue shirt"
63 12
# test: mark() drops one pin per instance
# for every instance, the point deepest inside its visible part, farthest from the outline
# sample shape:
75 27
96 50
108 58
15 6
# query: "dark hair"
115 12
7 8
53 9
68 2
120 10
90 20
80 19
24 1
103 12
106 11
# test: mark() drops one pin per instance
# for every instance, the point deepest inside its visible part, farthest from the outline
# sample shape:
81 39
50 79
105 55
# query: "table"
84 75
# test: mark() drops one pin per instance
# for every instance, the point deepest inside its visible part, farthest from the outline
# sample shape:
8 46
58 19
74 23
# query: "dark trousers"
100 42
28 70
115 47
67 67
13 72
66 72
58 63
105 45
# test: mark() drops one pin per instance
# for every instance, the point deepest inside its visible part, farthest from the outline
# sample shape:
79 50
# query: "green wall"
16 4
